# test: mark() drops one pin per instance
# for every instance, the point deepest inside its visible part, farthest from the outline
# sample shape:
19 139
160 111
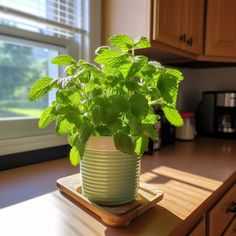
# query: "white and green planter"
109 176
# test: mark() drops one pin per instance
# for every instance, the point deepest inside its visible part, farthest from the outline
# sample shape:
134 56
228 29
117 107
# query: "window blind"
58 18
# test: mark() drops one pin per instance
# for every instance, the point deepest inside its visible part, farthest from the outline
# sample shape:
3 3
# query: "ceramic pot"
109 176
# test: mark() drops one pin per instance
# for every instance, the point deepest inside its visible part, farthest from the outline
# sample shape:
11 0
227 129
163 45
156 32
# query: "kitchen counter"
193 176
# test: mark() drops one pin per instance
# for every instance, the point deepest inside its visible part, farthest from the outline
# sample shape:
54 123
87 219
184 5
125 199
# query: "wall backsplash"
198 80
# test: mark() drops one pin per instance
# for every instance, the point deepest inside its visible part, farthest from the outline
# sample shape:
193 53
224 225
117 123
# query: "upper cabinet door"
193 25
167 21
221 28
179 23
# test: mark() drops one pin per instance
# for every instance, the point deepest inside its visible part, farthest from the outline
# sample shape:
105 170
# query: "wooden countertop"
191 174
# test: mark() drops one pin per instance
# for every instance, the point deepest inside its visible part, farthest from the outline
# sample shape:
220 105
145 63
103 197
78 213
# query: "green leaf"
74 98
73 117
110 115
40 88
139 105
155 94
172 115
123 142
106 112
97 114
121 41
135 67
141 144
96 92
94 71
112 58
48 115
142 42
70 69
75 156
135 126
119 103
84 76
168 84
148 70
131 85
103 130
63 60
86 131
101 49
150 119
115 126
63 126
149 130
73 139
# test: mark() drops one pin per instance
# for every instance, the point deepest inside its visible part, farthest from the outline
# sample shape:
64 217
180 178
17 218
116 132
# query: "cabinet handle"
232 208
190 42
182 37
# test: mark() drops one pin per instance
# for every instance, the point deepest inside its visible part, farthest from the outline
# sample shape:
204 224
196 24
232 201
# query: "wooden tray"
112 215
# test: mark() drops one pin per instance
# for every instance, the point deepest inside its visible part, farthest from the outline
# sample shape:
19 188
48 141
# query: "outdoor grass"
19 112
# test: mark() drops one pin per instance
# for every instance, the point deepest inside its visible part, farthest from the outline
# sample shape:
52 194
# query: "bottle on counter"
187 131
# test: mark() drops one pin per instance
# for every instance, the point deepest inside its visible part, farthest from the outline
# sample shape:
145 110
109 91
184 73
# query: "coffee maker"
216 115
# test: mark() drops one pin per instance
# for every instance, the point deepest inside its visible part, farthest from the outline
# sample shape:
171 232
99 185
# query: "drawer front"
200 229
219 216
231 230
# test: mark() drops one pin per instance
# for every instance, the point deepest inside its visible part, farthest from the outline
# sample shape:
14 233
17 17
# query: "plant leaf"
142 42
150 119
75 156
40 88
63 60
148 130
121 41
139 105
141 144
172 115
47 117
131 85
112 58
73 139
63 126
103 130
135 126
86 131
123 142
135 67
101 49
168 84
119 103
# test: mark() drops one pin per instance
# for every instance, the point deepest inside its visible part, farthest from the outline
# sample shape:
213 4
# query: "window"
21 63
31 34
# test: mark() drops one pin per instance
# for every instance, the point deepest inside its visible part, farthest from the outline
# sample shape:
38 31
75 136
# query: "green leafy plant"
115 97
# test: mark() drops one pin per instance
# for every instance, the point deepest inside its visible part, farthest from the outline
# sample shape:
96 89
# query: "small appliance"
216 115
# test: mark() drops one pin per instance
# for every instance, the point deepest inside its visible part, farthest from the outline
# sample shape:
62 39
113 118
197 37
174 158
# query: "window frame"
84 47
22 134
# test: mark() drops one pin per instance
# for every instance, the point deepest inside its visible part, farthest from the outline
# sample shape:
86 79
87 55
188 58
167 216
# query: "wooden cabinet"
200 229
231 229
220 220
180 30
220 29
222 214
167 22
179 23
194 25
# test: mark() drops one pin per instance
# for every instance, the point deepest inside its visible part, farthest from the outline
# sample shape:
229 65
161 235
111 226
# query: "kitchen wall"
198 80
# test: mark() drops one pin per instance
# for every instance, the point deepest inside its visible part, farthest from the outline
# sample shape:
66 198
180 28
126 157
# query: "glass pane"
21 64
66 12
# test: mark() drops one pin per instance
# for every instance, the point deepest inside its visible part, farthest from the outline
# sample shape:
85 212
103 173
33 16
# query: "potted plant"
106 110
